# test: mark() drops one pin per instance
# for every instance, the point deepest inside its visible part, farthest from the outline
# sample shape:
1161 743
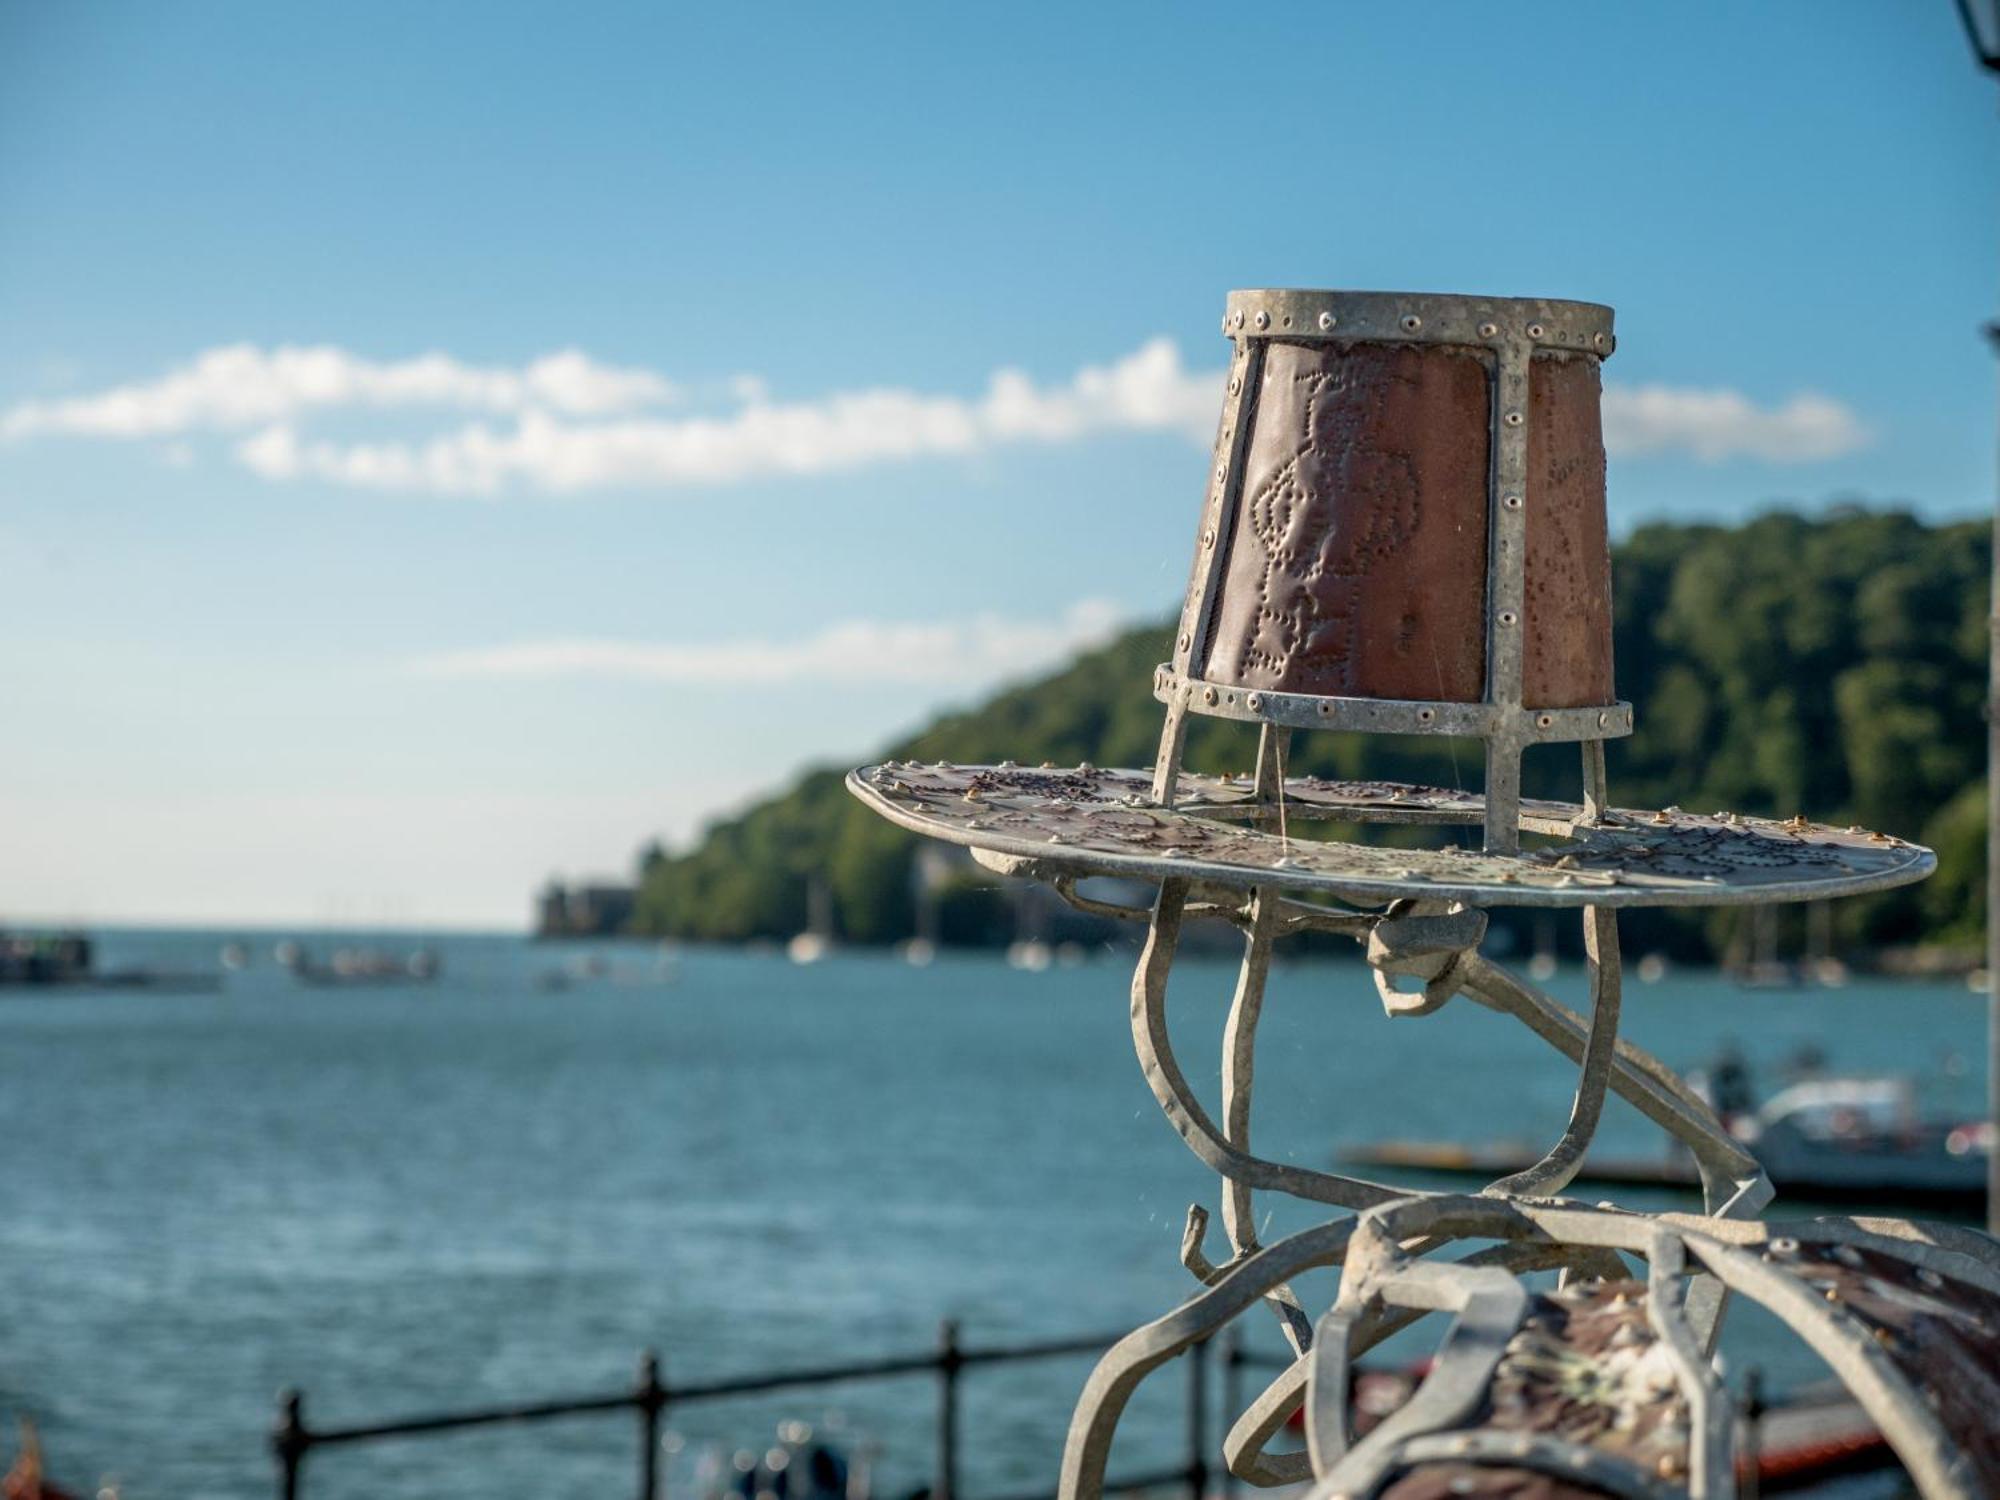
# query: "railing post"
949 1362
290 1440
1753 1434
1232 1394
1197 1414
651 1398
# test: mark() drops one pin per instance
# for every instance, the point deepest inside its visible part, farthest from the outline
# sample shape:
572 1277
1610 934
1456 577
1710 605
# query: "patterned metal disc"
1085 821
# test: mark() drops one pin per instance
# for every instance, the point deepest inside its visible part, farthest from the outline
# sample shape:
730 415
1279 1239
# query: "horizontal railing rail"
294 1437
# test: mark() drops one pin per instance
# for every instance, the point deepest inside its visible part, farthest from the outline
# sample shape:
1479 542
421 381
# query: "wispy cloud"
564 424
1714 425
238 386
1147 391
977 650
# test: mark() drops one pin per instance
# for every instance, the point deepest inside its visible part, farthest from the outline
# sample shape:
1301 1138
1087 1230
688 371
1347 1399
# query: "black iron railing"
652 1395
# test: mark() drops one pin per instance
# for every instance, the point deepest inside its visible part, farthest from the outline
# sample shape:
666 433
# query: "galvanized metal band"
1392 715
1506 590
1420 318
1507 529
1218 515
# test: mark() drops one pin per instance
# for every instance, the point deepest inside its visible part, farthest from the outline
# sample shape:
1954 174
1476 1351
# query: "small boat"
817 940
1826 1139
356 966
69 960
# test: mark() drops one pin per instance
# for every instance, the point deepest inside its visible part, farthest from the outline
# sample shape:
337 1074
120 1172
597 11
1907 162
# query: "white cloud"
1147 391
1720 424
970 652
571 424
236 386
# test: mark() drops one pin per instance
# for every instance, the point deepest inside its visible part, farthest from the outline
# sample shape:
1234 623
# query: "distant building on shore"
590 909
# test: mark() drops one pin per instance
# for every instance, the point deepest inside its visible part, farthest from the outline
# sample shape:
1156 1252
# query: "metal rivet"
1487 330
1288 320
1184 643
1411 322
1535 330
1513 419
1326 321
1238 319
1253 702
1208 538
1263 320
1512 502
1543 721
1219 471
1208 697
1235 385
1599 341
1603 720
1508 617
1425 715
1325 710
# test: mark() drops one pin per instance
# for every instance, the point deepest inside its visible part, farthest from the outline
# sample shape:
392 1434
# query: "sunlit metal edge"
1037 862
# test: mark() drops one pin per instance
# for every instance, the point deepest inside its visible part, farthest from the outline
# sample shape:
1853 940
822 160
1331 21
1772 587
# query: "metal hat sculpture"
1404 532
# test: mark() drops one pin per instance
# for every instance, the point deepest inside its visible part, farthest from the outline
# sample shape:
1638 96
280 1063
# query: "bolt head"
1326 321
1535 330
1263 320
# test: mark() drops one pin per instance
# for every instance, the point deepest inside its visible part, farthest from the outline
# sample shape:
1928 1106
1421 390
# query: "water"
482 1190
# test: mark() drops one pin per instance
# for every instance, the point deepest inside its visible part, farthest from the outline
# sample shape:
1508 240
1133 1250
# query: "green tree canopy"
1832 665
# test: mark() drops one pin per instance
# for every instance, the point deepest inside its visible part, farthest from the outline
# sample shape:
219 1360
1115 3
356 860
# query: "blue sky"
445 445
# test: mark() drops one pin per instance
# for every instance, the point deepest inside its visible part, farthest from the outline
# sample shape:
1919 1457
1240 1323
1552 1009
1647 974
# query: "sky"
447 446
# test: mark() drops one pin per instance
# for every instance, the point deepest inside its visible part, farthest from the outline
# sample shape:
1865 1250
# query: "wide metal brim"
1081 821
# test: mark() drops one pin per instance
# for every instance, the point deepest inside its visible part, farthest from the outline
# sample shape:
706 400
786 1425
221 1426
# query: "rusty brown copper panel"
1358 550
1575 1370
1566 652
1941 1332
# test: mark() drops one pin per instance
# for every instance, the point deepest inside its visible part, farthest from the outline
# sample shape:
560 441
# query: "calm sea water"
482 1189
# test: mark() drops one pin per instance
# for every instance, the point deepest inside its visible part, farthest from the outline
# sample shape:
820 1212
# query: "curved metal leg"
1733 1184
1711 1463
1555 1170
1132 1358
1170 1087
1239 1066
1489 1304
